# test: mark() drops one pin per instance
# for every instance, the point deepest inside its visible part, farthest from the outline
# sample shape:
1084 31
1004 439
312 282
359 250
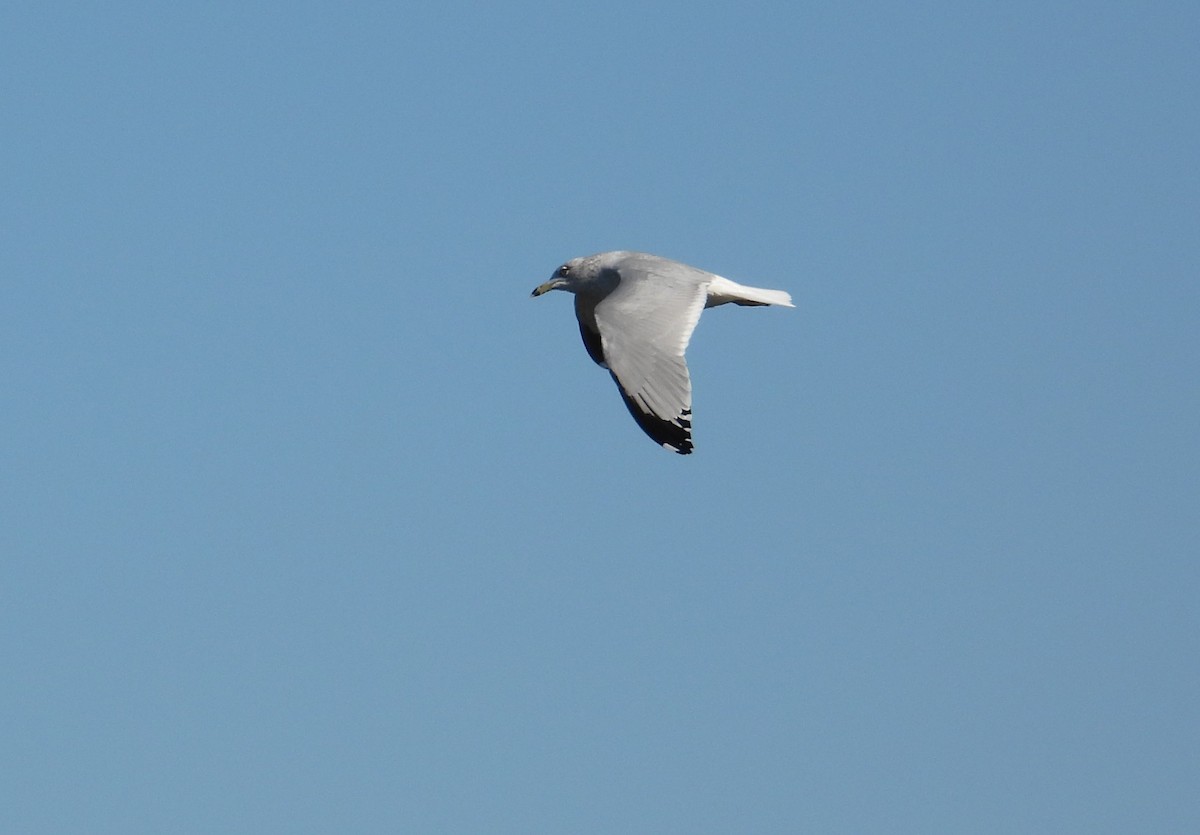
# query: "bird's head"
565 277
594 276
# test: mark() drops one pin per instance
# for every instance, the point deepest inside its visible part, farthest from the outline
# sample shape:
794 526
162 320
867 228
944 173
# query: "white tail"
722 291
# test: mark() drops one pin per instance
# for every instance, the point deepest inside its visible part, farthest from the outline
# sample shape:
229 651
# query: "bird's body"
636 315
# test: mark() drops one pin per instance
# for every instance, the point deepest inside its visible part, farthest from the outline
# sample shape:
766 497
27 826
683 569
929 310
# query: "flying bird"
636 314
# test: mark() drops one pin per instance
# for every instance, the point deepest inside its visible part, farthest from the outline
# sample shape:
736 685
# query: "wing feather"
585 312
645 325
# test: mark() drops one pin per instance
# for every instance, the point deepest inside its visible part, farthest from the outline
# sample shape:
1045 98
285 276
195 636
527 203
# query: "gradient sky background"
311 520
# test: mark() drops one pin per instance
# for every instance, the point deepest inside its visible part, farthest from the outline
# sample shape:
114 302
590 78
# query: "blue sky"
313 521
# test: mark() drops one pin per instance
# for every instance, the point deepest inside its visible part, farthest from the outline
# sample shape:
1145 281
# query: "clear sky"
311 520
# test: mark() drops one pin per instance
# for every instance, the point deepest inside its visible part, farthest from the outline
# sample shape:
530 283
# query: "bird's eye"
563 270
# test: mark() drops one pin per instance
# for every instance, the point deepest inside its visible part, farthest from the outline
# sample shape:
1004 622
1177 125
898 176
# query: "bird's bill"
547 287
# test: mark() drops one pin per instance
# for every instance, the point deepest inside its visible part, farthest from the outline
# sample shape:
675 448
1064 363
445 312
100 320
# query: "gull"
636 314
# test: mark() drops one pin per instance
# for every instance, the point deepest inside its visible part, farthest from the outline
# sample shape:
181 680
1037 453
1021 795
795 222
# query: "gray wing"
645 325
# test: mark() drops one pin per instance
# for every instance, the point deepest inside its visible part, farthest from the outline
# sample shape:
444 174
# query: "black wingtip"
675 435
